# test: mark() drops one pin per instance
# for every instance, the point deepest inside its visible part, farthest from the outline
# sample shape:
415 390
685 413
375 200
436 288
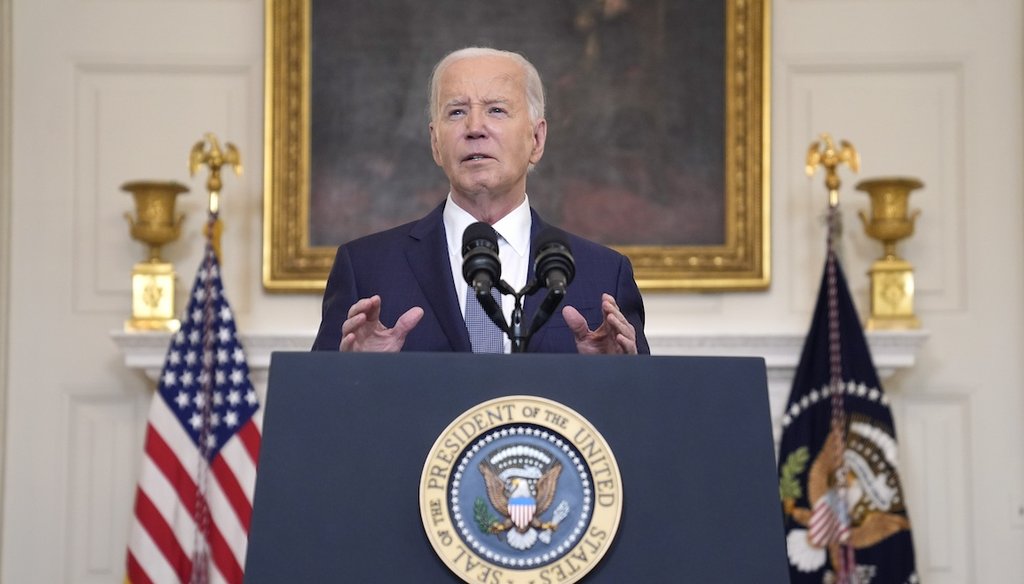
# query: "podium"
346 437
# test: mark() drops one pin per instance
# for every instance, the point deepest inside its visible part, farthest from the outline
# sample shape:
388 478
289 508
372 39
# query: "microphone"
482 269
480 264
553 264
554 267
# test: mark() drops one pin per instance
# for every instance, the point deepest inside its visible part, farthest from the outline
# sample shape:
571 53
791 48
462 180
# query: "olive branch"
482 516
796 462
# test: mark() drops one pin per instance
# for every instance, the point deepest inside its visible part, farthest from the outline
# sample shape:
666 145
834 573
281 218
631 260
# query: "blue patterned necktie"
484 335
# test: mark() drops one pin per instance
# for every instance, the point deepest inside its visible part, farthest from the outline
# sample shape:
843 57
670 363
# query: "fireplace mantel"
891 351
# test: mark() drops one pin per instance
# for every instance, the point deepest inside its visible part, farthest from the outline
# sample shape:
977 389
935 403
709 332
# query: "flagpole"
830 158
208 153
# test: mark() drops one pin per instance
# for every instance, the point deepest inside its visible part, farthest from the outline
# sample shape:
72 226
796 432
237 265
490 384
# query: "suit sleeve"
339 295
631 303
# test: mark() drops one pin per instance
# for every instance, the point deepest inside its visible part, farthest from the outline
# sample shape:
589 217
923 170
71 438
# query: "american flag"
194 499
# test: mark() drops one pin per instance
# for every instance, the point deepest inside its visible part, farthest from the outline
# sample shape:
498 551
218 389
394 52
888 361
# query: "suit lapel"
427 254
533 301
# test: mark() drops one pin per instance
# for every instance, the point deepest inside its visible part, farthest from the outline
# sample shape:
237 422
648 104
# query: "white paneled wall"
120 114
103 438
905 119
934 453
105 91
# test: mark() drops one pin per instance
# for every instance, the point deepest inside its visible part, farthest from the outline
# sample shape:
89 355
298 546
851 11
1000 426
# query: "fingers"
624 332
627 344
363 330
614 315
353 324
354 331
609 306
369 306
347 343
614 335
577 324
408 321
365 311
363 320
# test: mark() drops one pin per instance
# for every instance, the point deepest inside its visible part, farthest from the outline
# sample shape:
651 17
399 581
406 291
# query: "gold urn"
892 277
155 225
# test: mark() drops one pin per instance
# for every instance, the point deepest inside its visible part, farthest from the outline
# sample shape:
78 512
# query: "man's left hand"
615 336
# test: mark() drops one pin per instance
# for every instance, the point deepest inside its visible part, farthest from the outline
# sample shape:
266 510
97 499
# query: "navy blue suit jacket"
408 266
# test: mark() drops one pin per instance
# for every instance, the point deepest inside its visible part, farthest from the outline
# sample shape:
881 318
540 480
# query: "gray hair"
534 87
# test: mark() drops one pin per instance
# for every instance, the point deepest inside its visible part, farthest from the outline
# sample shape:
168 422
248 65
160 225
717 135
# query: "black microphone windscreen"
481 265
479 232
553 254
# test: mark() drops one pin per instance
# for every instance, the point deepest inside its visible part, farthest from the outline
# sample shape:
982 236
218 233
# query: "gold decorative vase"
155 225
892 277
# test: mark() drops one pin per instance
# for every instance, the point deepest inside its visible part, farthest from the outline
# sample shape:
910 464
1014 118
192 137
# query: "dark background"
635 108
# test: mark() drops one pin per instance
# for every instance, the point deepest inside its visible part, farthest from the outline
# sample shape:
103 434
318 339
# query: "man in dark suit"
487 130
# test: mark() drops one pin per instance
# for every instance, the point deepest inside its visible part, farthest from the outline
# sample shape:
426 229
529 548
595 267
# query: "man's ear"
540 136
433 144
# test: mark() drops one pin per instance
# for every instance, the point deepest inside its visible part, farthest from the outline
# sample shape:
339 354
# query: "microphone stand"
515 330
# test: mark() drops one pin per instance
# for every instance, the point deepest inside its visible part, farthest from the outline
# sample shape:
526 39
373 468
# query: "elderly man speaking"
402 289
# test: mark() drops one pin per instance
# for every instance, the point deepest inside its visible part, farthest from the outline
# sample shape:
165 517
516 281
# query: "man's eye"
455 113
497 110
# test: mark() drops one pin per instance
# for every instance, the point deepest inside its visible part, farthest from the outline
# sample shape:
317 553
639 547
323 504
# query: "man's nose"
475 123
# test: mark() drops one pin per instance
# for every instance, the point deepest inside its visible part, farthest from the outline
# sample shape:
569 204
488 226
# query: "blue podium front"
347 438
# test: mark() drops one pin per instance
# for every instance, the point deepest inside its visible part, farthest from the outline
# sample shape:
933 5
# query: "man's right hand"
362 331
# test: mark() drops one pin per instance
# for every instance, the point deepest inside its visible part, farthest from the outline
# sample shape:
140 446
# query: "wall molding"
6 194
930 91
103 89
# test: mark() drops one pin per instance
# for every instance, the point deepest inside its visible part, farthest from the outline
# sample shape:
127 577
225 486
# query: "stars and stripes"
194 499
520 510
830 523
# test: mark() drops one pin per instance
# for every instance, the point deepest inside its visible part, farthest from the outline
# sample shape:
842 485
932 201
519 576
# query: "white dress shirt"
513 250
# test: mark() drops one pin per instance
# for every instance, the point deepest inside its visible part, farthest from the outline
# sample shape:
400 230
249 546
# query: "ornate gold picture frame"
736 254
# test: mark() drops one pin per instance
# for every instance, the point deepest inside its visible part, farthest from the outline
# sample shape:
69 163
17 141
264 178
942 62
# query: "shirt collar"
514 228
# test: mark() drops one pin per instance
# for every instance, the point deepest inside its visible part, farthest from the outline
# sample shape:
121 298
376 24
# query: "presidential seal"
520 490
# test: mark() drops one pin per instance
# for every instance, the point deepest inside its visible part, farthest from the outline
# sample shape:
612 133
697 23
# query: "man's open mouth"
473 157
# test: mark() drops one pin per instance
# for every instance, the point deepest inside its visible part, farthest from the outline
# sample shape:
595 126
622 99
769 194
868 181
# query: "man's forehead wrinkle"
485 101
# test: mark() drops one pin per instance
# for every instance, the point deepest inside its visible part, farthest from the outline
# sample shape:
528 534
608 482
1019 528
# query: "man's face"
481 134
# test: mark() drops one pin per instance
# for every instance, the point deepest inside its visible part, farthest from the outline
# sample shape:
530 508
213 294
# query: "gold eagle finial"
214 158
831 159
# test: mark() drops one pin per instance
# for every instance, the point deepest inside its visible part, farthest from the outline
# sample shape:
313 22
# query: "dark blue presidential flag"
845 514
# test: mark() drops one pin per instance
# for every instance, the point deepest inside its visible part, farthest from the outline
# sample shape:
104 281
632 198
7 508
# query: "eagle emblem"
862 508
521 482
507 495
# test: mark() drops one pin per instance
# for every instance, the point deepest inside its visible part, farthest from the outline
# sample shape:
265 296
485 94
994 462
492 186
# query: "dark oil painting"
635 108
